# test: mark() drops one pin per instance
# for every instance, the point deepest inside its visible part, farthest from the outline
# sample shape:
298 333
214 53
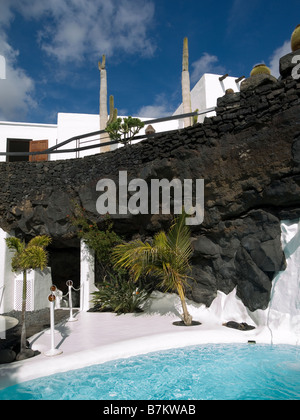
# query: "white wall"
7 277
42 281
87 277
17 130
70 125
206 93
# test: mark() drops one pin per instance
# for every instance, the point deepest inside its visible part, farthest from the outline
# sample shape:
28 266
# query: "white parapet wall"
87 276
26 131
38 290
7 277
206 92
11 284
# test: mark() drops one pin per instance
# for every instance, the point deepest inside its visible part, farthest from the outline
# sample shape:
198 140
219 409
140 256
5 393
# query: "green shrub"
101 240
120 295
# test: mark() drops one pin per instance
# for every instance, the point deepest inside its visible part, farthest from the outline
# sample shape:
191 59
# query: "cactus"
260 69
103 103
103 93
195 117
295 39
113 112
186 85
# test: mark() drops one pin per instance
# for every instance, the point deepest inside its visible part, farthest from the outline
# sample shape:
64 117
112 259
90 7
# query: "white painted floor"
99 337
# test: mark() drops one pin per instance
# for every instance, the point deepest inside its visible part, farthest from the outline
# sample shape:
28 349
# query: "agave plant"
119 294
167 258
27 257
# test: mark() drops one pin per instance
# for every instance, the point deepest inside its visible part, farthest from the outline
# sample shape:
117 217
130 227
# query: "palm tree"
30 257
167 258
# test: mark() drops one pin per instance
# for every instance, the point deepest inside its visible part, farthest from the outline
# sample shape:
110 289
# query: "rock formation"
249 157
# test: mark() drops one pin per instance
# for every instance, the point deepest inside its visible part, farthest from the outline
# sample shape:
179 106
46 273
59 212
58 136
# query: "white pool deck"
99 337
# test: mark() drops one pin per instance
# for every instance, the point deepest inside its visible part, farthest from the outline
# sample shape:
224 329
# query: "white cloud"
159 109
206 64
79 29
72 31
277 54
17 89
6 14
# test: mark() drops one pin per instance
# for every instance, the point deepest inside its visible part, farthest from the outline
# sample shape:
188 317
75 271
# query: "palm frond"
134 256
167 258
34 257
31 257
179 240
40 241
179 236
15 244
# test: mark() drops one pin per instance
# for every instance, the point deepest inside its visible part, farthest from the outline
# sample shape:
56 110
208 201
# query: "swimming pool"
206 372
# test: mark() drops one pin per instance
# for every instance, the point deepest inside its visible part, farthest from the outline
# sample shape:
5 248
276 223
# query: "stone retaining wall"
249 157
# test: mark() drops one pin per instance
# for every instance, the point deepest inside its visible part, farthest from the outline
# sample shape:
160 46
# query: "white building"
206 92
25 137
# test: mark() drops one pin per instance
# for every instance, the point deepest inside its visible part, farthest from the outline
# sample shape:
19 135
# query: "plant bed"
182 324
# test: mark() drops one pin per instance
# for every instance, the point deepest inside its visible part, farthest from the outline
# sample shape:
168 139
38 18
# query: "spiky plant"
295 39
260 69
185 83
27 257
167 258
113 112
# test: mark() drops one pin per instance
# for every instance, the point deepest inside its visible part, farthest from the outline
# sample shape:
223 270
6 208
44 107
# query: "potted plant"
295 39
260 69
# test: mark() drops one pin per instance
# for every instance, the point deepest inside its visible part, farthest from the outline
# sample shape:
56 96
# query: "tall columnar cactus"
103 103
186 85
113 112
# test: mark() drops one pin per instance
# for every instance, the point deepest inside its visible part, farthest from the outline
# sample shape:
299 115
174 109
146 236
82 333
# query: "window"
18 145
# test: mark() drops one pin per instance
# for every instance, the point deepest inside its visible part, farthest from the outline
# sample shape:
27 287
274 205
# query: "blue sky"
52 48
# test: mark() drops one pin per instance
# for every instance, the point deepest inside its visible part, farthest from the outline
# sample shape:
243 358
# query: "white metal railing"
77 139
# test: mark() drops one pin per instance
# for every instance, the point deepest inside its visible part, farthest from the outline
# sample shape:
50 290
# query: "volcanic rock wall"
249 157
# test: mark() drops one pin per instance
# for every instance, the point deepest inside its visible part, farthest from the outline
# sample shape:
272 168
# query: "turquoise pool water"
208 372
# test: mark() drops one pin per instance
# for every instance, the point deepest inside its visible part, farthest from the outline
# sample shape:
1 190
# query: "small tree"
30 257
167 258
124 131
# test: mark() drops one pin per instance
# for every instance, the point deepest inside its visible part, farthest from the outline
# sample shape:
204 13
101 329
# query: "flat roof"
23 124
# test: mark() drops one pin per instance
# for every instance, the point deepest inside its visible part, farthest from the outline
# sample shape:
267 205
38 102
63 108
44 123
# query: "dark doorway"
18 145
65 265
